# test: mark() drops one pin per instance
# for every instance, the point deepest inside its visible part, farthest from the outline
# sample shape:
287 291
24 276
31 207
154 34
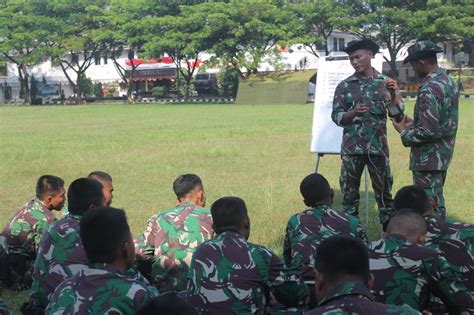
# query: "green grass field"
260 153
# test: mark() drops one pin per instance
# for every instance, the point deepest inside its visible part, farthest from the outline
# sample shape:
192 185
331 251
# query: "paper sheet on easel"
326 135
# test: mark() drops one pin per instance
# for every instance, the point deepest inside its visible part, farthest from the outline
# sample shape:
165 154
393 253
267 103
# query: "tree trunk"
26 83
393 65
187 87
130 79
78 88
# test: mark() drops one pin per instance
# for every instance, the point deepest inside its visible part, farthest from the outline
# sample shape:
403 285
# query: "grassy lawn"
260 153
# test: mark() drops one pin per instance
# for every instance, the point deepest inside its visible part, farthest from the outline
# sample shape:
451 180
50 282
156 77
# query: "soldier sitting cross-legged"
343 280
407 273
228 274
307 229
105 287
172 236
21 236
61 254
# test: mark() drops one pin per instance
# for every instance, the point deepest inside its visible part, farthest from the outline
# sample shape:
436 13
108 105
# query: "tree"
245 33
390 23
73 46
22 36
316 20
181 37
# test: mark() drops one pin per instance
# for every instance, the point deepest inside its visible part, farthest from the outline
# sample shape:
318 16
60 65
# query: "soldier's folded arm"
287 245
287 286
426 129
445 285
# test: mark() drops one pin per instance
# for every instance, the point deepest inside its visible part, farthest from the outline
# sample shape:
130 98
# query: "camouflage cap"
365 44
422 49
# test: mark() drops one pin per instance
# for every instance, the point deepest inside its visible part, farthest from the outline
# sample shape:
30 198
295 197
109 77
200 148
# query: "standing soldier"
22 234
360 108
432 132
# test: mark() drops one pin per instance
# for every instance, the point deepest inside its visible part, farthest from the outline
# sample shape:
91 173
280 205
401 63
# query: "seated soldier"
22 234
407 273
453 240
228 274
343 280
172 236
61 254
307 229
104 287
107 187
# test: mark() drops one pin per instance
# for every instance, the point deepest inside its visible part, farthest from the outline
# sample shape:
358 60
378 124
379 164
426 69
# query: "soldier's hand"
360 109
402 125
408 122
392 86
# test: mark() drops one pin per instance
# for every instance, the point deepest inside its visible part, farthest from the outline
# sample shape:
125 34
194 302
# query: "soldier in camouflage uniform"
407 273
104 287
61 254
22 234
107 188
432 132
343 280
306 230
230 275
453 240
360 108
172 236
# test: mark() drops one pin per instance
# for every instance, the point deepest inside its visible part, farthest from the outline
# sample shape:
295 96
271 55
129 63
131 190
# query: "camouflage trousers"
382 181
169 275
432 182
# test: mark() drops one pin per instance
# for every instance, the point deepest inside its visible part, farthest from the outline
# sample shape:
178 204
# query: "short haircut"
48 185
186 183
407 222
100 176
430 58
82 193
167 304
412 197
315 188
103 232
228 212
340 256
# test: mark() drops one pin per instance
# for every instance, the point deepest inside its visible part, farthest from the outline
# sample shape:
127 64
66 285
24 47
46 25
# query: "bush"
159 91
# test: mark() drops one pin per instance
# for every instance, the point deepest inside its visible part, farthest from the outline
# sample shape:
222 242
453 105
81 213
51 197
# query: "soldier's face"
107 189
418 68
57 201
361 60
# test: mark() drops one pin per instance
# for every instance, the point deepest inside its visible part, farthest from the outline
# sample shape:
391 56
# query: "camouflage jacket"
169 241
355 298
435 124
455 242
306 230
60 256
3 308
230 275
100 289
24 231
405 273
366 133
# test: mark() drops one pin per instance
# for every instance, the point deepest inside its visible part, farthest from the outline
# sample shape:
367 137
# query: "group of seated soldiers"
192 260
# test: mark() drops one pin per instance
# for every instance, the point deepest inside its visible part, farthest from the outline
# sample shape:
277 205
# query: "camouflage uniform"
169 241
22 237
306 230
405 273
433 134
455 242
3 308
355 298
100 289
364 142
60 256
230 275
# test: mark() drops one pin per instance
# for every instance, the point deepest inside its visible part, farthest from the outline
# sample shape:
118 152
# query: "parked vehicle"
205 83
